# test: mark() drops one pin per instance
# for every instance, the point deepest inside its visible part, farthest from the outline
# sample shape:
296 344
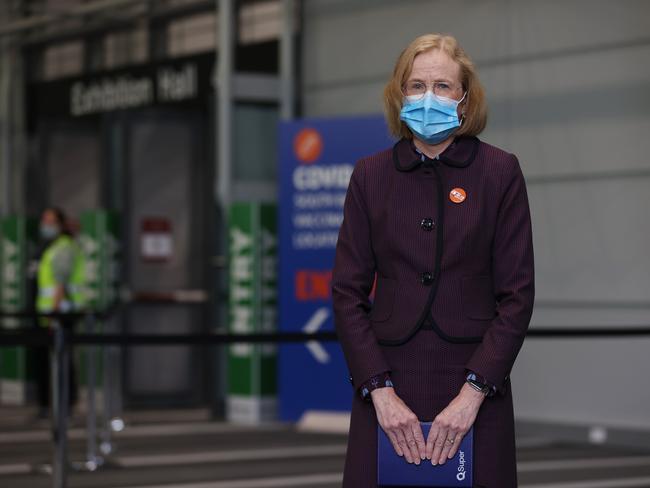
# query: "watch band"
480 385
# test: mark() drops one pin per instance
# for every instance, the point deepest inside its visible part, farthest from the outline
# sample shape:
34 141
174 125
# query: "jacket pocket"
382 307
478 298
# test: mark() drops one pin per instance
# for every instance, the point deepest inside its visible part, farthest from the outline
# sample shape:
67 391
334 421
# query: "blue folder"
393 470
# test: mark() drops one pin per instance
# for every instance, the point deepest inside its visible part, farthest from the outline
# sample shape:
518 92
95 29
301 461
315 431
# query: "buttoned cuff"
378 381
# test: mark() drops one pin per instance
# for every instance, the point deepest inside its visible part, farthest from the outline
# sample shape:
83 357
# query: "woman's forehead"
435 64
48 216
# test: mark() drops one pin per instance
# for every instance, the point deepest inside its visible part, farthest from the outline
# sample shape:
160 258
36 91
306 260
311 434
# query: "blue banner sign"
316 160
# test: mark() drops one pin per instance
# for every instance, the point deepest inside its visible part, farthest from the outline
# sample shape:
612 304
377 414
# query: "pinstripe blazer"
467 265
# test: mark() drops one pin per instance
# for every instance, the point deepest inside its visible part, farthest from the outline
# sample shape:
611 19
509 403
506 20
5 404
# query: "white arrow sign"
312 326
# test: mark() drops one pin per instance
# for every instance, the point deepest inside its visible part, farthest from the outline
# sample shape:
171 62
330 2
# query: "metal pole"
223 119
112 421
92 460
224 108
60 358
5 125
12 125
106 445
287 60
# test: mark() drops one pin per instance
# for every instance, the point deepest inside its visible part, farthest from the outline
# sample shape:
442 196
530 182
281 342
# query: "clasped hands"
447 430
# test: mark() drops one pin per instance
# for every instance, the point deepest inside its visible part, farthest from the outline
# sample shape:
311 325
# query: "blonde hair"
475 110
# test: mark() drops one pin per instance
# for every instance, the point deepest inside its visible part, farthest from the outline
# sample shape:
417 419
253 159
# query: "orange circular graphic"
308 145
457 195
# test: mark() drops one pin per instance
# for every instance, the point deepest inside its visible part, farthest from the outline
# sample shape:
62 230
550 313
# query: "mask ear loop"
462 114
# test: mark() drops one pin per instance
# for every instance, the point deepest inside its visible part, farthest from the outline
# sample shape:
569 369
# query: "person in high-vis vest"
60 279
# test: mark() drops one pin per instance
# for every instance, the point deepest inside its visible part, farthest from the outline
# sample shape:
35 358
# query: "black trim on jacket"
449 160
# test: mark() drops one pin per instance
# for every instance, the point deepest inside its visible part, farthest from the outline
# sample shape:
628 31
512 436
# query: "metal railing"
61 340
57 338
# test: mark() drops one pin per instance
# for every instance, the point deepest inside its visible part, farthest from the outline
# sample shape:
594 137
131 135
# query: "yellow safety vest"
47 283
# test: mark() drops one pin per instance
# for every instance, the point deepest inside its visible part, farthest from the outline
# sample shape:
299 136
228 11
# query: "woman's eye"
418 86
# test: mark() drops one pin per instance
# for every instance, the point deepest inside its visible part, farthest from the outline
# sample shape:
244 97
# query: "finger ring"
451 441
411 443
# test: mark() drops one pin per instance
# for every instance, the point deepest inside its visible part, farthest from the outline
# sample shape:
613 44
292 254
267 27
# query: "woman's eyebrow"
447 80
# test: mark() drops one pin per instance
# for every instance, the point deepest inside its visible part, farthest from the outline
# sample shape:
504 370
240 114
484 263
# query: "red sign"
156 239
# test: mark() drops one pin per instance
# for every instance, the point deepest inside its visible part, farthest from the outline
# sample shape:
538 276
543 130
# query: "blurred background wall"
567 88
111 105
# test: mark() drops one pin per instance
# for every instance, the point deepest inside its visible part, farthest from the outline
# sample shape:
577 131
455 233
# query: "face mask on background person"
431 118
49 232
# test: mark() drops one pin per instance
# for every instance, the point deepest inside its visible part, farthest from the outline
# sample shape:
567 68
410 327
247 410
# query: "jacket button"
427 224
426 278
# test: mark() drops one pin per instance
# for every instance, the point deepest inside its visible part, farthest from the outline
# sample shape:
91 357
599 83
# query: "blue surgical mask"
48 232
432 118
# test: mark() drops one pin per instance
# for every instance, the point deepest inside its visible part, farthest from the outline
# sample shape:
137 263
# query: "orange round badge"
308 145
457 195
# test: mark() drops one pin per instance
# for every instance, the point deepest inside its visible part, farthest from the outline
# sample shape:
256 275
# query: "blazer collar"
459 154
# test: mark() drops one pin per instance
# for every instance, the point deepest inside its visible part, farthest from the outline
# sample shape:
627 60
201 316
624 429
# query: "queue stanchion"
112 410
60 396
106 445
93 461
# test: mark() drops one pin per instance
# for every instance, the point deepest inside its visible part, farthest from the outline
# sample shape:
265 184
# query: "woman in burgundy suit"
441 221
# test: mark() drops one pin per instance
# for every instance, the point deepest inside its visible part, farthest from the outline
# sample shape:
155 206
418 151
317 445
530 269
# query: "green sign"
100 245
17 234
17 244
252 308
